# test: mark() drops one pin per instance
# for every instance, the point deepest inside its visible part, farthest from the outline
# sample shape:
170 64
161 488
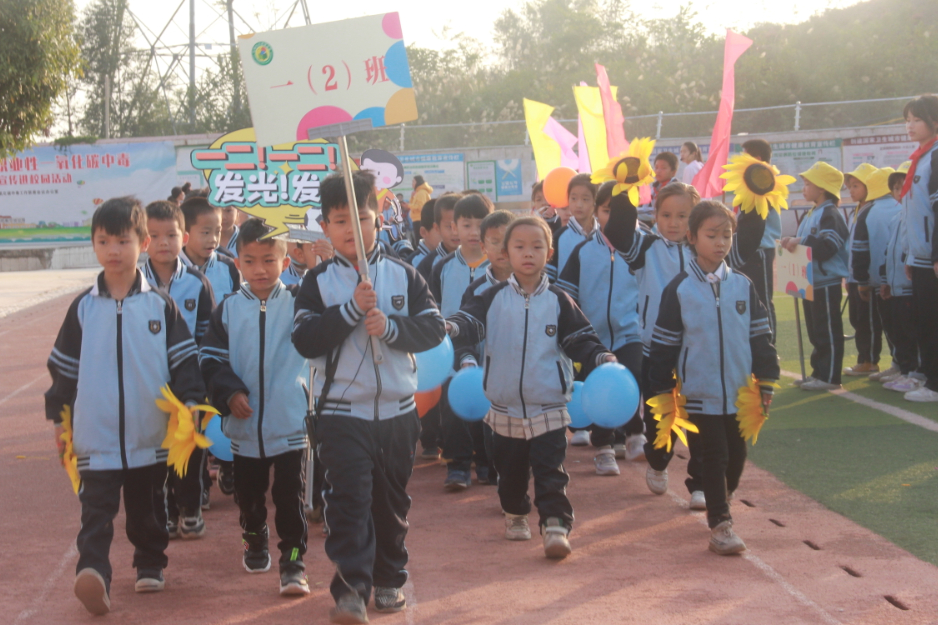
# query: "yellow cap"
825 176
877 185
863 173
904 167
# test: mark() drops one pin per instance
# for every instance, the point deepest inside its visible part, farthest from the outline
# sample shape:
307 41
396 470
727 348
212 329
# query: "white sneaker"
580 438
904 384
819 385
724 541
892 377
556 543
516 527
923 395
804 381
698 501
657 481
635 447
619 448
880 376
605 461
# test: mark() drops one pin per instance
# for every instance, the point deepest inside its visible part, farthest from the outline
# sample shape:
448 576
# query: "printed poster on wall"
509 180
884 151
49 193
794 157
444 172
481 177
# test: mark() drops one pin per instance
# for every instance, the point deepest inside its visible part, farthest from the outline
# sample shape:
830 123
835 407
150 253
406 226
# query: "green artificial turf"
873 468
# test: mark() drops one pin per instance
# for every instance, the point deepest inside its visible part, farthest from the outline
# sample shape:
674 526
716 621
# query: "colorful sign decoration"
299 79
793 272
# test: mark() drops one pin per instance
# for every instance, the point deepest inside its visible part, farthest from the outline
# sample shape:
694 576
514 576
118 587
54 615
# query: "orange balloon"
555 186
427 400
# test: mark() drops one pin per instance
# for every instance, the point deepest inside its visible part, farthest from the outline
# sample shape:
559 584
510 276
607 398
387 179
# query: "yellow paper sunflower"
756 185
671 416
181 435
630 170
750 412
69 459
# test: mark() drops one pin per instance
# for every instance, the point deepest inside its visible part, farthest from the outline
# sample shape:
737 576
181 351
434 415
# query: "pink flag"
584 154
616 143
707 181
565 139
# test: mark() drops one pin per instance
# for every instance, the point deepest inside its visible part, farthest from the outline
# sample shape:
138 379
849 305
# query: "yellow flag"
546 150
590 105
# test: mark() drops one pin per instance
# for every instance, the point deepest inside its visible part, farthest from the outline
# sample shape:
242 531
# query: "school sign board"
793 272
444 172
300 79
881 151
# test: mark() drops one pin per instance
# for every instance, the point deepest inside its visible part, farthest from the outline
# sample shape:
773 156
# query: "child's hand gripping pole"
360 251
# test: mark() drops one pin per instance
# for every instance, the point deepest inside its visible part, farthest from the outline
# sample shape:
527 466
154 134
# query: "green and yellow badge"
262 53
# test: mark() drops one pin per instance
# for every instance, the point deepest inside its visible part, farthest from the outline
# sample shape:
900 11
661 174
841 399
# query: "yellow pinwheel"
756 185
750 411
630 170
69 459
671 416
181 435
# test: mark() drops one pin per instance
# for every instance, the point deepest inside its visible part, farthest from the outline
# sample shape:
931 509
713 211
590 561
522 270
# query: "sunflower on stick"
630 170
182 436
756 185
671 416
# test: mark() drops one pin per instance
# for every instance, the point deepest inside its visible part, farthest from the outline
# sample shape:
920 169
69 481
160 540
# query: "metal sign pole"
800 344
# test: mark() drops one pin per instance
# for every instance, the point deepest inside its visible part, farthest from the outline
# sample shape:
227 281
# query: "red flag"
707 181
616 143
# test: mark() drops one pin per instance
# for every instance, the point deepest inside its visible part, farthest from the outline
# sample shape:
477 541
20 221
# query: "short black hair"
194 207
582 180
254 230
174 193
445 202
704 211
830 196
333 196
925 107
759 148
896 178
426 213
186 187
381 156
537 188
162 210
670 157
605 192
496 220
472 206
419 180
120 215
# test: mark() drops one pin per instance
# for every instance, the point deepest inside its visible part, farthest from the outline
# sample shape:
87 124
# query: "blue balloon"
221 444
466 396
610 395
434 366
578 418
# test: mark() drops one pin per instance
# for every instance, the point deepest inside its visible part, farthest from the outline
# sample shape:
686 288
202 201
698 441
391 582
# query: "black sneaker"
91 590
226 482
389 599
293 580
349 610
256 557
172 526
149 580
206 503
191 524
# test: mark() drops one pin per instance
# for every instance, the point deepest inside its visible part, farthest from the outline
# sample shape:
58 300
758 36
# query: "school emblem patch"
550 330
741 306
397 301
262 53
190 305
155 326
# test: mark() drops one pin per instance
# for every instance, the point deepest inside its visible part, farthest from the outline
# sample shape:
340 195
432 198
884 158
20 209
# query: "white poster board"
884 151
481 177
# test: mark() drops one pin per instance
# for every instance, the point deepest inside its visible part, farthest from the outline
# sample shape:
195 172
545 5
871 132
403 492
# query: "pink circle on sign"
320 116
392 26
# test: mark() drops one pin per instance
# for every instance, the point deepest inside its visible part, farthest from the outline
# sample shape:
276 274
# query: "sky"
429 28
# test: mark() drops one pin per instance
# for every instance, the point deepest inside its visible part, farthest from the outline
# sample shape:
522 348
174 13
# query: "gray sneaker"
605 461
724 541
556 544
516 527
698 501
349 610
657 481
92 591
389 599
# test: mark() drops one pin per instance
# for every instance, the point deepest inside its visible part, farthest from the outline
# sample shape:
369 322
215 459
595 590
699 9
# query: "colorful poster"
793 272
884 151
794 157
278 184
444 172
510 180
49 194
299 79
481 176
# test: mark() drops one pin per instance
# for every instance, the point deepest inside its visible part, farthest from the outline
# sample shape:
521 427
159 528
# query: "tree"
37 55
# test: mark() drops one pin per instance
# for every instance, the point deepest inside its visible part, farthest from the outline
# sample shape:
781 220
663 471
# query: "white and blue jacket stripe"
191 292
868 250
293 274
328 329
919 206
713 335
892 271
603 285
565 240
109 361
231 247
221 272
248 349
419 254
531 341
824 230
426 265
451 277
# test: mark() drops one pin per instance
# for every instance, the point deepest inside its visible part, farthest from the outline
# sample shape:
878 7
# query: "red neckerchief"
917 154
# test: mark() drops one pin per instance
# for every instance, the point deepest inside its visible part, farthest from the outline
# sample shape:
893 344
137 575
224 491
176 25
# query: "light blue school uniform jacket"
824 230
192 293
919 206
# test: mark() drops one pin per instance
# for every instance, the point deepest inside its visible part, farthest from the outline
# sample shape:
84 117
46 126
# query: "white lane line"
895 411
48 585
21 389
411 596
